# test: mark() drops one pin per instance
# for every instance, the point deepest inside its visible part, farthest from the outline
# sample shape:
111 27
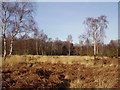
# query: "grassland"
38 71
87 60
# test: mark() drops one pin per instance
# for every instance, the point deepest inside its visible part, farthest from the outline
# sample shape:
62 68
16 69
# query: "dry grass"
10 61
39 58
102 72
86 60
104 77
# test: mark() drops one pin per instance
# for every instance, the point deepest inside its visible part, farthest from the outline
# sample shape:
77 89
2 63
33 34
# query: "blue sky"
59 19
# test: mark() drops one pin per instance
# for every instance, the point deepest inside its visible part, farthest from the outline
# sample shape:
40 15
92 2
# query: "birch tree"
81 43
43 38
87 42
21 20
69 39
6 14
96 27
36 36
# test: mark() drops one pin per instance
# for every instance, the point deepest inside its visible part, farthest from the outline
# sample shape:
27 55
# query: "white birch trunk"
97 49
69 49
4 47
17 31
11 47
94 45
4 38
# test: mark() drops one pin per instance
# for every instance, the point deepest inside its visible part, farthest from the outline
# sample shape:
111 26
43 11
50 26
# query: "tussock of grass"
10 61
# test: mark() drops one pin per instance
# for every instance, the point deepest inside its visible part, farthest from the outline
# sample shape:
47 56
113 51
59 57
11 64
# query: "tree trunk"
4 38
94 50
117 53
97 50
102 51
69 50
11 47
51 48
36 47
94 45
87 50
4 47
26 48
81 51
42 51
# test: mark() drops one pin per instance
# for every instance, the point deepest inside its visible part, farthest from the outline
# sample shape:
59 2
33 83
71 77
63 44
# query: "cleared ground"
35 71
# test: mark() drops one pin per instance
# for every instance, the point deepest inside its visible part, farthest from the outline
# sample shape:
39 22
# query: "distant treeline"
25 46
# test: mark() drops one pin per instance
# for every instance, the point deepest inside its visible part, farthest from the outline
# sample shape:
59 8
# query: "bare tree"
25 39
36 36
43 38
95 27
21 20
69 39
81 41
50 45
6 14
87 42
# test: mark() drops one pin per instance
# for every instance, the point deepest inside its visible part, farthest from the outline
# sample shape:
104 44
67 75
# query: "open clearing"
35 71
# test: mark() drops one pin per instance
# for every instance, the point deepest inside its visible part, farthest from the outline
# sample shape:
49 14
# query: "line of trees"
25 45
22 36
